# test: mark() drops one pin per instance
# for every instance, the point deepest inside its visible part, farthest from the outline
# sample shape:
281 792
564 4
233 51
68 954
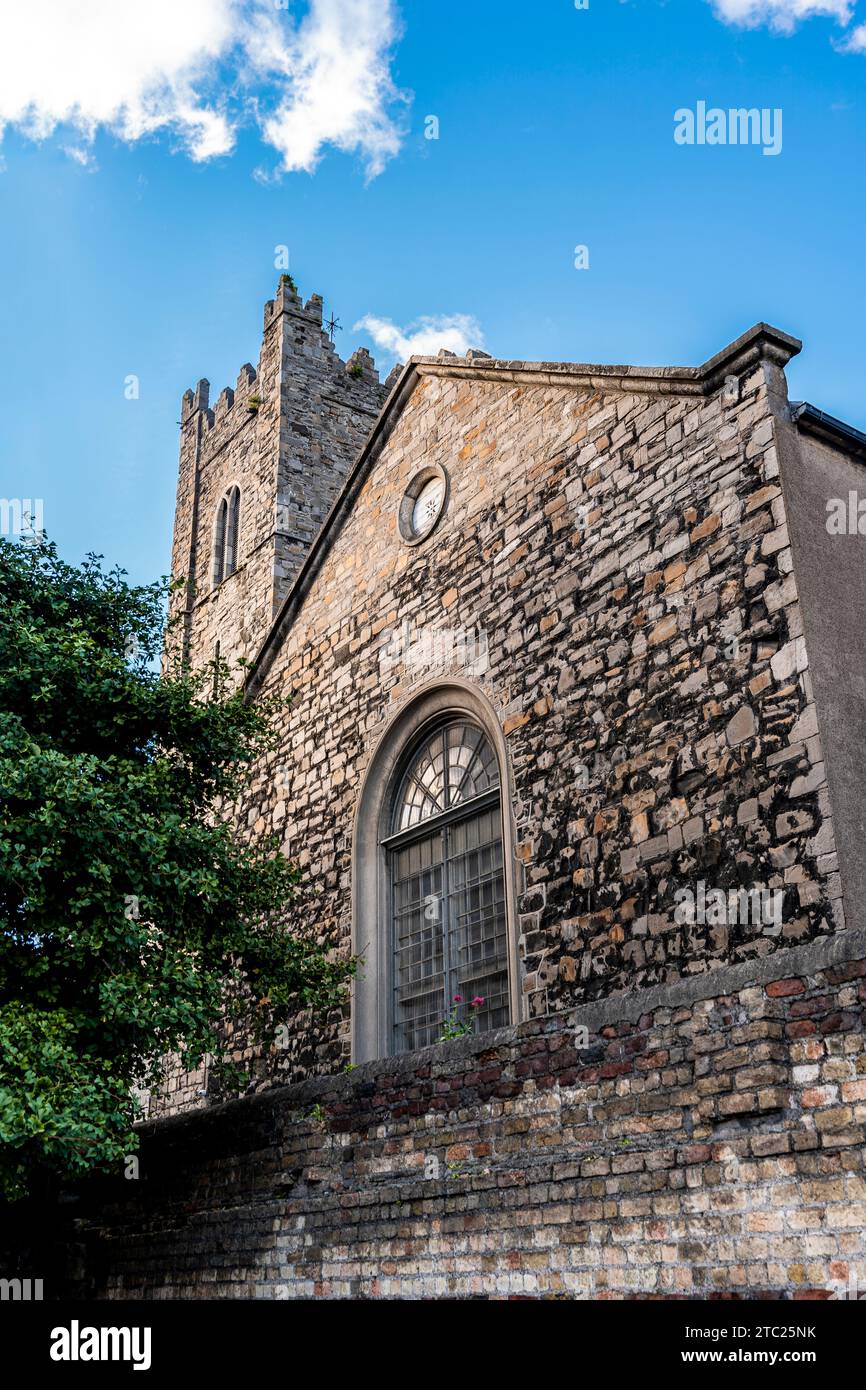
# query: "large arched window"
448 933
227 536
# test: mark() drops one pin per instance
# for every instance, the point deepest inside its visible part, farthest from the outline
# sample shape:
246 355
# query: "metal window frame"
427 829
461 811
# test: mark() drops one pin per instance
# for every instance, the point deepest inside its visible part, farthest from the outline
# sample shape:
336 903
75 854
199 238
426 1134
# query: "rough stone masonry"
674 683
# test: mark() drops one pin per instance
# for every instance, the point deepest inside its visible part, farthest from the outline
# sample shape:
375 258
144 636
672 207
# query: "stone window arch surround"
371 928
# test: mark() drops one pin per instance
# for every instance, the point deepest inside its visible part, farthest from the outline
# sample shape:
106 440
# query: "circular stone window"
423 503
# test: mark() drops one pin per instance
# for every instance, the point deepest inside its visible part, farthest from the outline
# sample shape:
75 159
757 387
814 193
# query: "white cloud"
81 154
199 69
336 82
130 67
424 337
855 42
781 15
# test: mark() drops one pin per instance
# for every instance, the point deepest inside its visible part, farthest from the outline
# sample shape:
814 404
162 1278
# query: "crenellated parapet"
305 344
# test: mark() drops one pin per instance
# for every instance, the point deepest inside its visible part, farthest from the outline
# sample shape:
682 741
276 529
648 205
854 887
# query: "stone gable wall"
627 560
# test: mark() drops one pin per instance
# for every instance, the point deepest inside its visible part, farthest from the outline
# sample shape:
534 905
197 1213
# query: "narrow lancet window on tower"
227 536
233 532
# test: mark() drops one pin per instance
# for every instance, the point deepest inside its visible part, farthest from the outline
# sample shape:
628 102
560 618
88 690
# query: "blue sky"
140 238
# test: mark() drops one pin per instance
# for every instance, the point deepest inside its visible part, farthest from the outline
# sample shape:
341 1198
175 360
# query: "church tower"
257 476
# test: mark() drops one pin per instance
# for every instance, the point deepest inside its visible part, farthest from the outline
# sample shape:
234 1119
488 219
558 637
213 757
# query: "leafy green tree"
133 920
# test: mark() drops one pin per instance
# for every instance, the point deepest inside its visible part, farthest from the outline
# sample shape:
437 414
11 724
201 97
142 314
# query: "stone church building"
574 760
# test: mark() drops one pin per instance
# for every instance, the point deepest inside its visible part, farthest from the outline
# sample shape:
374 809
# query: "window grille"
448 909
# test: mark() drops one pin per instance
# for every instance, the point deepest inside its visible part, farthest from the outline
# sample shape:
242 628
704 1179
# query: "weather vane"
333 326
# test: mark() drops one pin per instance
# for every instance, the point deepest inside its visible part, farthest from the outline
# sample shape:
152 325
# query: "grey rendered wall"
831 578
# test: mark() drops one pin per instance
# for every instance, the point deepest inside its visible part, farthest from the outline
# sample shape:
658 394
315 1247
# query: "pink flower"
458 999
479 999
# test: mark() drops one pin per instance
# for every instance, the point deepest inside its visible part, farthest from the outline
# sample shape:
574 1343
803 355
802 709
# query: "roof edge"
760 342
828 428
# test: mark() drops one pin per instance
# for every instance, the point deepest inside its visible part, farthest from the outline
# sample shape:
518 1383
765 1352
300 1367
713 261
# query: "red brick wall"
699 1146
